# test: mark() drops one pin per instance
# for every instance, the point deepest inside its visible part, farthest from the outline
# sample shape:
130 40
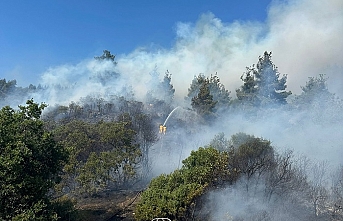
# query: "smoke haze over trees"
250 134
113 142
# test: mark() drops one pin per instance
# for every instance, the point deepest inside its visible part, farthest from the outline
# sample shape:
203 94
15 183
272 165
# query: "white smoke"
304 36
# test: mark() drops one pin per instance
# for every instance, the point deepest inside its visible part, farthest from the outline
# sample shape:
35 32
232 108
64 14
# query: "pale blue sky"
36 35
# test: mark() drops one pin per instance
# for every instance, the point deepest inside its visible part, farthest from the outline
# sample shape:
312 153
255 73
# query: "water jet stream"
164 124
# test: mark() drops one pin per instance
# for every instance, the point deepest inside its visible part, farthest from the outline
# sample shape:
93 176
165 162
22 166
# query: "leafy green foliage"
253 156
248 155
177 194
65 208
174 195
30 161
38 211
240 138
206 166
102 155
168 196
220 143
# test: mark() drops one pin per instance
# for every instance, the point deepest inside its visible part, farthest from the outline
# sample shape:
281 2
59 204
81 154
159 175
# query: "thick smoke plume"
304 36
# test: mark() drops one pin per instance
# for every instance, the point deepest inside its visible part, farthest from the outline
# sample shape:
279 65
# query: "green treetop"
262 84
203 103
220 95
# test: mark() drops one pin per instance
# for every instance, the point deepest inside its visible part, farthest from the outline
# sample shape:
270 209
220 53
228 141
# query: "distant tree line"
263 87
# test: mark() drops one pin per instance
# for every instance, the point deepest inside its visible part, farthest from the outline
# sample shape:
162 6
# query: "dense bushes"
30 162
174 195
177 195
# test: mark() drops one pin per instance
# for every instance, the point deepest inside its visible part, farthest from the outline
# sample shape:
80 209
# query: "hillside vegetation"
112 156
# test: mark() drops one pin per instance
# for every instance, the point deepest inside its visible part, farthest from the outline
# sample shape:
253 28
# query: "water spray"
164 124
163 127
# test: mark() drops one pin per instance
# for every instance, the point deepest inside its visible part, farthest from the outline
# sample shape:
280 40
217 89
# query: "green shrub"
174 195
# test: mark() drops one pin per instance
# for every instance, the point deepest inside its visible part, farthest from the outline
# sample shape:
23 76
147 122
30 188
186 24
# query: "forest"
258 152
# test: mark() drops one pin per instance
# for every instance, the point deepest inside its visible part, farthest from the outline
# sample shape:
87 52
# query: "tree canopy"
203 103
262 84
30 162
315 90
102 156
174 195
106 56
217 90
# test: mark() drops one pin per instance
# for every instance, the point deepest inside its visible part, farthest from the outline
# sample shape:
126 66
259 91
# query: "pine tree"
315 89
194 88
203 103
219 94
248 91
166 88
262 84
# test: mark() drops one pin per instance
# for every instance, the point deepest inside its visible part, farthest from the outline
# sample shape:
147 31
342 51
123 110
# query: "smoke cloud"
304 36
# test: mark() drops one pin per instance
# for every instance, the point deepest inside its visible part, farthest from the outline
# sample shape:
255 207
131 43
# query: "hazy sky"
36 35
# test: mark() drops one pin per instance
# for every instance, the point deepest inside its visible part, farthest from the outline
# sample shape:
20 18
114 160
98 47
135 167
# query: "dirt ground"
109 207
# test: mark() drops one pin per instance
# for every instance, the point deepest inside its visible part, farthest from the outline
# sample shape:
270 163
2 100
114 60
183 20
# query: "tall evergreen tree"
166 88
316 89
219 93
203 103
248 91
216 88
262 84
194 88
